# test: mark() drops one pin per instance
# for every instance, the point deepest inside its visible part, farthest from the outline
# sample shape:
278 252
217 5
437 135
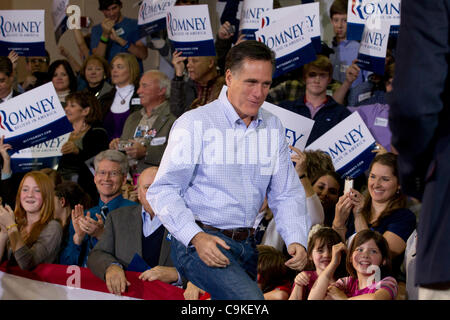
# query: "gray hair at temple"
114 156
164 81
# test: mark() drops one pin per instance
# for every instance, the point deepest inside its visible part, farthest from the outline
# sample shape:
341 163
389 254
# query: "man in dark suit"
420 124
132 230
6 80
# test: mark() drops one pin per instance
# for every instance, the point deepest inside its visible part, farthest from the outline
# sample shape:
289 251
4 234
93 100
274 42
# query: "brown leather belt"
238 234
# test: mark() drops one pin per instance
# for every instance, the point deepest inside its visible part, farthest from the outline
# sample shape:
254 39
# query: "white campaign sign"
349 144
297 127
189 29
251 13
33 117
152 15
59 17
22 31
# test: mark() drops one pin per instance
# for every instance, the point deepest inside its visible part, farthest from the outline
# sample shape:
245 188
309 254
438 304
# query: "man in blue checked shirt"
221 161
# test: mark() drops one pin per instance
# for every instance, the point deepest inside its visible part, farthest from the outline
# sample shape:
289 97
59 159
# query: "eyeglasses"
103 173
322 75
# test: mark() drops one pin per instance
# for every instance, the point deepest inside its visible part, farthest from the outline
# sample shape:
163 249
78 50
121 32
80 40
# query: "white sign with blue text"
43 155
290 40
33 117
251 13
373 46
297 127
59 17
349 144
189 30
388 11
311 15
22 31
152 15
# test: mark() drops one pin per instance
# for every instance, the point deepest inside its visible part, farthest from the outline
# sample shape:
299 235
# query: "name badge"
158 141
120 31
344 68
381 122
136 101
364 96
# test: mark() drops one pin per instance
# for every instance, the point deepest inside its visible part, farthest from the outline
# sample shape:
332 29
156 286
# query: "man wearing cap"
116 34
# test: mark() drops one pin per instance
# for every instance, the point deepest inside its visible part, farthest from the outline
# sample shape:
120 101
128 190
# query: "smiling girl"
29 234
368 264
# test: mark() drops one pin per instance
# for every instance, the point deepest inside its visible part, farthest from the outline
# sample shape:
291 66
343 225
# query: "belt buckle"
238 231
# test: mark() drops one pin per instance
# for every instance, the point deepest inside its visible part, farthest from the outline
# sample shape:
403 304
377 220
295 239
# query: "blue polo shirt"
126 29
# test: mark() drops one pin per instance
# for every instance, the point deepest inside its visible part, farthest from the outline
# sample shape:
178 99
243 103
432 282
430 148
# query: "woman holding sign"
29 235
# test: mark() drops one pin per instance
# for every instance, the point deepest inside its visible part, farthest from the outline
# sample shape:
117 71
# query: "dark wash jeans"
237 281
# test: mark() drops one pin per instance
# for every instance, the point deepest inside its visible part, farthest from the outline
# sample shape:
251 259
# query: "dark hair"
72 193
250 49
336 176
47 58
398 201
104 4
87 100
72 79
338 7
6 66
328 237
317 162
271 268
382 244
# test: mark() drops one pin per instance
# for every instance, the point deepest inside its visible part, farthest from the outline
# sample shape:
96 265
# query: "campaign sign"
291 42
311 15
59 17
33 117
373 47
349 144
298 128
358 11
43 155
22 31
152 16
189 30
251 13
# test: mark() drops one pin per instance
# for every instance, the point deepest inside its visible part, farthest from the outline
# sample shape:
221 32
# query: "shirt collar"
156 111
231 114
9 96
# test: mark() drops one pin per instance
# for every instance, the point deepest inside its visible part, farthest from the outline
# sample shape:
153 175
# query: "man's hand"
116 282
161 273
209 253
224 31
136 150
299 257
107 26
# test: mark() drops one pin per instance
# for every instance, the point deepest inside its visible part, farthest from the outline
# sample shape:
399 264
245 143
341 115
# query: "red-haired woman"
29 235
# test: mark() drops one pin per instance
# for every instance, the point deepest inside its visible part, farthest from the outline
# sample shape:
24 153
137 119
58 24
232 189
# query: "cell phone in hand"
348 184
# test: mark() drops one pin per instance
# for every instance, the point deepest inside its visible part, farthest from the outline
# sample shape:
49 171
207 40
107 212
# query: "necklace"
123 98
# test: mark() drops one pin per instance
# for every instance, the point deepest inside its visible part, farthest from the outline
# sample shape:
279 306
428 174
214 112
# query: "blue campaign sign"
189 30
33 117
22 31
